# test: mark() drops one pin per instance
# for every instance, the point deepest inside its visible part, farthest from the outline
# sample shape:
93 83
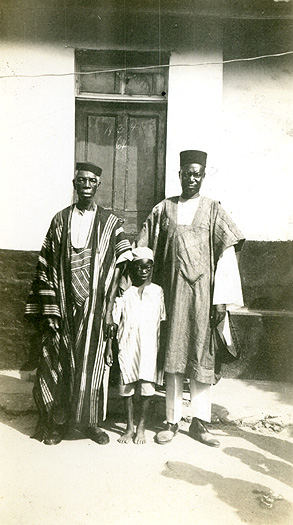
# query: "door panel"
128 142
140 188
100 142
120 165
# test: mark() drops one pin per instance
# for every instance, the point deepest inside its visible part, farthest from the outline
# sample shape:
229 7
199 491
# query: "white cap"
142 252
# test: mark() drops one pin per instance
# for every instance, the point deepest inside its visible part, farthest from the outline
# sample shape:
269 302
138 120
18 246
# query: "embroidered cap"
88 166
193 156
142 252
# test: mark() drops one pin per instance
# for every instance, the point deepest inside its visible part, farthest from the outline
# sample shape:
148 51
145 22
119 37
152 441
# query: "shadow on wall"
265 338
267 275
17 337
265 342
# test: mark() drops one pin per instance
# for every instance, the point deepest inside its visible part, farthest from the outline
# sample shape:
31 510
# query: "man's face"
191 177
141 271
86 184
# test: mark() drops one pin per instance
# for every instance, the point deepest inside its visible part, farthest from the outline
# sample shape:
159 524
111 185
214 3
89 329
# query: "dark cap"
88 166
193 156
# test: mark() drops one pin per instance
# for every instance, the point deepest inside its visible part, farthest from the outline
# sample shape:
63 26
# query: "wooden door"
128 142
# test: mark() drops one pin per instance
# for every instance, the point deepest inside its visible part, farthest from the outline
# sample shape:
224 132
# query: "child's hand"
120 291
111 330
109 353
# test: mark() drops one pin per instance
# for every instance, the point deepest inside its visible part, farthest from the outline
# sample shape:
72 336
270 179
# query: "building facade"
128 85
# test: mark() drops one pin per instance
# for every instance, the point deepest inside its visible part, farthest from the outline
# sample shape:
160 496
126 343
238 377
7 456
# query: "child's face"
141 271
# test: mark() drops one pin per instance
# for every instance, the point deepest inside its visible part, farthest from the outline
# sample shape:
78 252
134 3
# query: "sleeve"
117 310
226 233
149 234
162 306
125 256
122 243
227 285
43 300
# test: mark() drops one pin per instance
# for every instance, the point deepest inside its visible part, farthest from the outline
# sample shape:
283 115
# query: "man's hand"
218 314
109 353
49 323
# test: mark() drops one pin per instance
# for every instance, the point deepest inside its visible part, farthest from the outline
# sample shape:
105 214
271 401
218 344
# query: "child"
138 314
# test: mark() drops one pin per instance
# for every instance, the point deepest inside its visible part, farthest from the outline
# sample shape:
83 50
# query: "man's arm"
227 288
111 327
109 353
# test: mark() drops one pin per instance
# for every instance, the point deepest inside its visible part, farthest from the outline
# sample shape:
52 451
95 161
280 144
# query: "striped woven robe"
71 364
185 262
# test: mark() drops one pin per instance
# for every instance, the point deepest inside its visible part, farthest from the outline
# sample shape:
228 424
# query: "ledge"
262 313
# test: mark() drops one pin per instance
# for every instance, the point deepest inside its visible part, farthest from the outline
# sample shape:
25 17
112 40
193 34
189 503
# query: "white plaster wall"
257 147
36 141
243 119
194 111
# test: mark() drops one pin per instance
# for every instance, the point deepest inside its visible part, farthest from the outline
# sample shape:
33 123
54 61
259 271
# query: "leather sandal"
165 436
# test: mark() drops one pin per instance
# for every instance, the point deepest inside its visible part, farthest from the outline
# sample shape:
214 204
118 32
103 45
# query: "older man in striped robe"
71 298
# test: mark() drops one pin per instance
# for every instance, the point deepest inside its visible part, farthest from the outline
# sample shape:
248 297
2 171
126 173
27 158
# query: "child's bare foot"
127 437
140 438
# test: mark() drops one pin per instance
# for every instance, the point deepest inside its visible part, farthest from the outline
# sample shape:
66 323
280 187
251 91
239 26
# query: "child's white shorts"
143 388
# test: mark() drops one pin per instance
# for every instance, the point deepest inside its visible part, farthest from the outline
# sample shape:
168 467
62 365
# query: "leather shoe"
97 435
39 431
198 431
53 436
165 436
